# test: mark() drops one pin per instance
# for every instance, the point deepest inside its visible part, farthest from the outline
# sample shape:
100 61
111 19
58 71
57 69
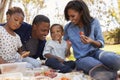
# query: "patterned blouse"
9 46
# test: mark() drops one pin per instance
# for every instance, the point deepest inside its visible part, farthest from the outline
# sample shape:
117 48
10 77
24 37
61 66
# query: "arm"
96 32
87 40
2 60
53 56
48 51
68 52
23 53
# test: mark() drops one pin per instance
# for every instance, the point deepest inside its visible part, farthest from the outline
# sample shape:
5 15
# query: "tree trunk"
2 9
10 3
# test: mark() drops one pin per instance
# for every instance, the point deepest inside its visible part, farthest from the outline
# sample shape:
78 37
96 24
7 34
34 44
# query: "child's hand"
69 43
25 54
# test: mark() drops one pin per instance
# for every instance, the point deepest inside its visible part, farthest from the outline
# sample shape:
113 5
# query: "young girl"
10 43
57 49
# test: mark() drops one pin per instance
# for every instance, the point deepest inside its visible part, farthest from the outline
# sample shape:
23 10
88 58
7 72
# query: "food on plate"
50 73
42 78
11 79
64 78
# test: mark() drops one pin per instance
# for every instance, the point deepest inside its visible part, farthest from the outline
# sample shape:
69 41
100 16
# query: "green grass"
113 48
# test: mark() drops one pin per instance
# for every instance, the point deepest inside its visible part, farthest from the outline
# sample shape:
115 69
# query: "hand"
85 39
25 54
69 43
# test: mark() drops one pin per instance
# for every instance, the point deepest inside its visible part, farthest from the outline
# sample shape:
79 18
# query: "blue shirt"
79 48
25 34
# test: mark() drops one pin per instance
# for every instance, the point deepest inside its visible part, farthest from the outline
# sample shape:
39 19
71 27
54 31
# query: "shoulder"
68 25
24 27
95 21
64 41
1 28
50 42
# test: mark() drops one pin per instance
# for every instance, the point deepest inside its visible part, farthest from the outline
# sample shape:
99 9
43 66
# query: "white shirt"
9 45
55 48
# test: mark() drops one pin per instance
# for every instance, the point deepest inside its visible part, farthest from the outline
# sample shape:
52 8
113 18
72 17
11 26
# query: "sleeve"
47 48
65 37
98 33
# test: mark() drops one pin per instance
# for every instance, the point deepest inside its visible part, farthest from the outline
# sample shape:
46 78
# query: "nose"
18 24
46 33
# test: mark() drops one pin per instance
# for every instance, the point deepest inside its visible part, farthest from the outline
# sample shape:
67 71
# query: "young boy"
57 49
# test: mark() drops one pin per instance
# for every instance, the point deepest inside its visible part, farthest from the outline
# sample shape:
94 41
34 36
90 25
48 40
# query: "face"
14 21
74 16
41 30
56 33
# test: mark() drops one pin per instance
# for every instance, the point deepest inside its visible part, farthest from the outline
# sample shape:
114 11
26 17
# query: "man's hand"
25 54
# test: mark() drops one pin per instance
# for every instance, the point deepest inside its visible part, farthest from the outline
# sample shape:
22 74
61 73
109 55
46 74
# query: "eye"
73 16
15 19
20 23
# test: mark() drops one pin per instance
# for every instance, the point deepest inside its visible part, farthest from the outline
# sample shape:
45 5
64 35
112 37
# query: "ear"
34 27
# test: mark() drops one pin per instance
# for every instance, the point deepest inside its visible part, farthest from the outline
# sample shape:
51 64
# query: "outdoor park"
107 11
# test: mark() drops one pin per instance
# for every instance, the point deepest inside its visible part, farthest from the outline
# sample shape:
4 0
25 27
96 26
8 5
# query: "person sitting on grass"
10 43
86 37
56 50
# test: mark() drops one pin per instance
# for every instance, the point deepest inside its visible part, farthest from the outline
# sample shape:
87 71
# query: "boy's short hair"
40 18
57 25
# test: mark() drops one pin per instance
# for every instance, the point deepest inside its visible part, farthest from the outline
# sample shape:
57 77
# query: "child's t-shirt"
55 48
9 45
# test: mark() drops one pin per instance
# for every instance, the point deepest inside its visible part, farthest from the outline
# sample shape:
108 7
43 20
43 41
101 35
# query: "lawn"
113 48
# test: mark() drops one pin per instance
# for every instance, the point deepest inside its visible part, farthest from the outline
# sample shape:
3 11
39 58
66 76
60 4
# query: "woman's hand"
85 39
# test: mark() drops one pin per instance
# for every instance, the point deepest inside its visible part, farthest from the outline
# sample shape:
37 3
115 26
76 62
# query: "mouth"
44 37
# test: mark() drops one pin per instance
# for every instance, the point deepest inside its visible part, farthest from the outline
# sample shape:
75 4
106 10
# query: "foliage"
113 35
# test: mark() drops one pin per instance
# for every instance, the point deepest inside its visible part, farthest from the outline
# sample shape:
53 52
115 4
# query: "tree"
2 9
31 7
115 35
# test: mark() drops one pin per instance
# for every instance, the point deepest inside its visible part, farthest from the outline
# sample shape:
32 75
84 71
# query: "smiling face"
56 33
14 21
41 30
74 16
